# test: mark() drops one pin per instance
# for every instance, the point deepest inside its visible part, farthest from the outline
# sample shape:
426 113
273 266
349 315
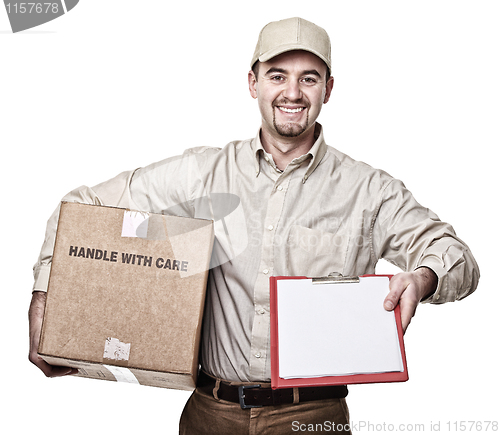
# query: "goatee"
290 129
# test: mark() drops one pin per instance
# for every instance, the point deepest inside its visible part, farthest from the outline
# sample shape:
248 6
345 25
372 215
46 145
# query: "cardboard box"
126 295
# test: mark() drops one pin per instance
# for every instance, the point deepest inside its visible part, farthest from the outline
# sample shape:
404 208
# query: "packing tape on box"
122 374
135 224
115 350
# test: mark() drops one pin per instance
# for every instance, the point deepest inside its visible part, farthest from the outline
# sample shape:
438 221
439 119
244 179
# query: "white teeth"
298 109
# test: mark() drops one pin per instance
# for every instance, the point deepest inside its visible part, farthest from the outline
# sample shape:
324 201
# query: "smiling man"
291 89
307 209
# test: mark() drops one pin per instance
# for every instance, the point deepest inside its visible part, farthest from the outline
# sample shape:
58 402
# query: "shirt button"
262 311
265 271
270 228
258 355
280 188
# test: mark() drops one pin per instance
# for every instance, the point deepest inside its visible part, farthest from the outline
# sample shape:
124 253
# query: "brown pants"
204 414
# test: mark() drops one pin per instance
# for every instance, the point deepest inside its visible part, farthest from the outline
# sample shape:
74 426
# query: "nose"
292 91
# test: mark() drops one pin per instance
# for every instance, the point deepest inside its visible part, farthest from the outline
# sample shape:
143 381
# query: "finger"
397 286
52 371
408 304
404 320
57 371
408 309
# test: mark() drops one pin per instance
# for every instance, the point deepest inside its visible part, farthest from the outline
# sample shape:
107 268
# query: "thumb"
396 288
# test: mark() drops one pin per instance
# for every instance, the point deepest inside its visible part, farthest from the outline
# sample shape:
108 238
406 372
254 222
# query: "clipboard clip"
334 278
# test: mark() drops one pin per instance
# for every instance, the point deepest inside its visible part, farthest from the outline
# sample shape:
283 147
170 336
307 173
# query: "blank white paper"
336 329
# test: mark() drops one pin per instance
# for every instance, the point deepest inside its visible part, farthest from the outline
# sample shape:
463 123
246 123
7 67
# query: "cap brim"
286 48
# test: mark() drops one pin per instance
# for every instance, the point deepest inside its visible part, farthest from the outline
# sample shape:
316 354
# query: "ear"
252 84
329 87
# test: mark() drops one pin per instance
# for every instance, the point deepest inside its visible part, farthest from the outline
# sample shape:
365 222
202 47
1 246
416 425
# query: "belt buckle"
241 395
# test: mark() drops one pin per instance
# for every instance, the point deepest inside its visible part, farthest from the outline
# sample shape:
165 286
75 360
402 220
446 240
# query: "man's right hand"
35 315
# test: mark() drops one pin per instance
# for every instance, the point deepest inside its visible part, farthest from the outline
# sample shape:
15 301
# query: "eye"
309 80
277 78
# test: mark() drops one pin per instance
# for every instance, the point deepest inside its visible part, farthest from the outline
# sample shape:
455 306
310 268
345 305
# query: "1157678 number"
472 425
32 8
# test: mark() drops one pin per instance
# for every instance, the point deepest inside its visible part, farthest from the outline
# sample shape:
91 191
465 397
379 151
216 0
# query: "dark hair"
255 69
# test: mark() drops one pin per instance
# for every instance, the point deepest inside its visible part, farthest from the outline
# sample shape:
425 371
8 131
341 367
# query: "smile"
296 110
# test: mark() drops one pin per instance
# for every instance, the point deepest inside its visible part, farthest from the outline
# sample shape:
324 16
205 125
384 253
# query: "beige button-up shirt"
324 213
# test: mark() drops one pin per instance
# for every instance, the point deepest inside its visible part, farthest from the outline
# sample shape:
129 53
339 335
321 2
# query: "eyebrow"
281 70
275 70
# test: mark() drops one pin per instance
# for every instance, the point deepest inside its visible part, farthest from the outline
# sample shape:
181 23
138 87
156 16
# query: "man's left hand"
408 289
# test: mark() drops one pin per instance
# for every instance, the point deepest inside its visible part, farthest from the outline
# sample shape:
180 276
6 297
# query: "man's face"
291 89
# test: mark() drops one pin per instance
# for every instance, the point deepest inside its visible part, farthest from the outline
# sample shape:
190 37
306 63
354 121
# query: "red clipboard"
277 382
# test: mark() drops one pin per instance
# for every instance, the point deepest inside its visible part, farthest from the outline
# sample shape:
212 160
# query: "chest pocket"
312 252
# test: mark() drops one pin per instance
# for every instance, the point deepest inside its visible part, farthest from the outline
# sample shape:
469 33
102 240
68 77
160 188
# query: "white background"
114 85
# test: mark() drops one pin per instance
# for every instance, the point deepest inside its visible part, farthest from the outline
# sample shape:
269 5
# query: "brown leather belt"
253 396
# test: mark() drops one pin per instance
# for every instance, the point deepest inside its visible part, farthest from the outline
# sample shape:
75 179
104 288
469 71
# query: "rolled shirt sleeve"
411 236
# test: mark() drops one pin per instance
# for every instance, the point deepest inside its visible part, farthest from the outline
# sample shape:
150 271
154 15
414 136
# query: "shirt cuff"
439 269
41 274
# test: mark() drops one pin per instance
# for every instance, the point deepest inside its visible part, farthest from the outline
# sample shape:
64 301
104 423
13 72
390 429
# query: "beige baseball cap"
296 33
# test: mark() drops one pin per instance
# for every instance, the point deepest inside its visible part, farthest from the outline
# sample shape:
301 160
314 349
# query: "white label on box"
122 374
135 224
115 349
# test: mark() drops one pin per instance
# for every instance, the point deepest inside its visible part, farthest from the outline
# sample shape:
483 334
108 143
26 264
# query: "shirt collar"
316 153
